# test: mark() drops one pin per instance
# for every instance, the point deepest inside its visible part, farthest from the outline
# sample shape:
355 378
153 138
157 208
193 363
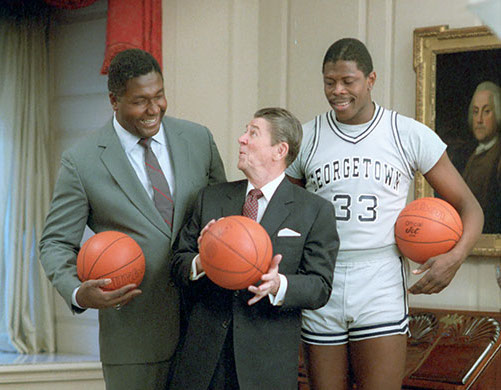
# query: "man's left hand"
270 282
439 272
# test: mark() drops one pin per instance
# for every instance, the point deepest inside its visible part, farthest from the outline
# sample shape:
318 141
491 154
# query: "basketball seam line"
439 202
123 266
104 250
430 219
425 242
234 251
256 267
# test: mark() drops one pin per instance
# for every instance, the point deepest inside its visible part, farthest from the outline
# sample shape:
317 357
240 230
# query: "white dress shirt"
135 154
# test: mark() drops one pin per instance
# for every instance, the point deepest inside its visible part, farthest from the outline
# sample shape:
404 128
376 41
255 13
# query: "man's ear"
371 79
113 101
282 150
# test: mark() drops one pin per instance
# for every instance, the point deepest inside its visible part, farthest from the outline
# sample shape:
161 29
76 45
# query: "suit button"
225 324
236 293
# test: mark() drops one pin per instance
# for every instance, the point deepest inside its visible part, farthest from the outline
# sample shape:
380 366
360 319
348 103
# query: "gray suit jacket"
265 337
98 187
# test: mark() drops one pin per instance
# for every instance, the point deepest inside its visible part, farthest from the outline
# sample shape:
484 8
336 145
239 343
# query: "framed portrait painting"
452 66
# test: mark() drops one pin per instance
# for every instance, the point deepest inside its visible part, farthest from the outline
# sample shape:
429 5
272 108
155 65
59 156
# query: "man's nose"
338 89
153 108
242 139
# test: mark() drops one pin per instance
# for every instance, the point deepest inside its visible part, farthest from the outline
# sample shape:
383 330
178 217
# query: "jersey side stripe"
324 338
398 142
316 138
360 137
400 323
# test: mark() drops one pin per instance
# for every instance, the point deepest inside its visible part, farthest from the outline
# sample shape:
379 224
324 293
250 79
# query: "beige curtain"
26 297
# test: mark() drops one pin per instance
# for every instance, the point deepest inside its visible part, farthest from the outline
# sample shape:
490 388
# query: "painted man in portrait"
483 169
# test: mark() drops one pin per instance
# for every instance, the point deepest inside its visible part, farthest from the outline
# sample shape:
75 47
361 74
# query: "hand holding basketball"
270 282
111 265
111 255
206 227
440 228
91 295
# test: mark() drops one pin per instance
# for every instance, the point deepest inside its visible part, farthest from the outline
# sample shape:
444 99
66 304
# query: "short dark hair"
350 49
127 65
285 127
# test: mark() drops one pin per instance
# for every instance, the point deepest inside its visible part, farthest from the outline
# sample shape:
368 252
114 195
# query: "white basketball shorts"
368 300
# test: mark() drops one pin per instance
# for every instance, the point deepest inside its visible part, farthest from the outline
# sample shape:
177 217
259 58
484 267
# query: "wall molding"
81 375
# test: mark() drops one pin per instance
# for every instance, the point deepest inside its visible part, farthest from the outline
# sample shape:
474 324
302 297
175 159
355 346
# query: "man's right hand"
91 295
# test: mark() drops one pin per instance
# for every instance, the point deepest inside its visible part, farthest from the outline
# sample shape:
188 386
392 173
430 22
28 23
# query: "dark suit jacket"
98 187
265 337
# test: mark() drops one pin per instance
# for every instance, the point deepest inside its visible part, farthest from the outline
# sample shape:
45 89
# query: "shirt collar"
484 147
355 129
129 140
269 188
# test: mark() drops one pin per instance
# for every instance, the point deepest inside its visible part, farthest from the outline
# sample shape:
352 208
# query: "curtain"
133 24
26 297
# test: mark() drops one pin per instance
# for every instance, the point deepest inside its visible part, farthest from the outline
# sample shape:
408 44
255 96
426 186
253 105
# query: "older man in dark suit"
104 183
249 339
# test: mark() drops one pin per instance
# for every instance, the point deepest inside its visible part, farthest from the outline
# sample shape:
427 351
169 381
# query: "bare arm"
447 181
299 182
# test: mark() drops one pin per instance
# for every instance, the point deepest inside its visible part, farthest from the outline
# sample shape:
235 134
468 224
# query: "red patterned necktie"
251 204
161 192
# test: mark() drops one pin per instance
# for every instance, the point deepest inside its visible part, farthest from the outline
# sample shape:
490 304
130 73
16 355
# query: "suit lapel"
179 152
115 160
235 198
279 207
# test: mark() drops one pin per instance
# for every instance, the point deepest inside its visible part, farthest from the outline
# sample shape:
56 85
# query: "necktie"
251 204
161 192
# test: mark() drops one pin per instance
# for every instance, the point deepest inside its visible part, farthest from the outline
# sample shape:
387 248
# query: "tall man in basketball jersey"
249 339
362 158
104 183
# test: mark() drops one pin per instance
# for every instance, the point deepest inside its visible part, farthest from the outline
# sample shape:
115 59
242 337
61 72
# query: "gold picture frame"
434 48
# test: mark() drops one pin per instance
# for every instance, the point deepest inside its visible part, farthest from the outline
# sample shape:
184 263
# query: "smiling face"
483 115
348 91
141 108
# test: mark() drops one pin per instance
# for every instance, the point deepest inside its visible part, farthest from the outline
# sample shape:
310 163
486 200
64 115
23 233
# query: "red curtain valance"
133 24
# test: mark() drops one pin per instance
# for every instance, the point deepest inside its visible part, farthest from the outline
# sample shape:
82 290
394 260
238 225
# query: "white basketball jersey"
365 171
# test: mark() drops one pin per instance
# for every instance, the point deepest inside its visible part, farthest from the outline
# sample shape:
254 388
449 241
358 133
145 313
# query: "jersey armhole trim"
316 137
398 142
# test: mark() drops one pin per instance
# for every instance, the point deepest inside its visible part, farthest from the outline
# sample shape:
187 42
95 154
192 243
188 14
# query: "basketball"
235 251
427 227
111 255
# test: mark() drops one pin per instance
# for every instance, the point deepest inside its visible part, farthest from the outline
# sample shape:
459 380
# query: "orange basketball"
111 255
235 252
427 227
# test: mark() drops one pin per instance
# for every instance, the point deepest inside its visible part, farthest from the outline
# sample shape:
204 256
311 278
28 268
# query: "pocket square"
286 232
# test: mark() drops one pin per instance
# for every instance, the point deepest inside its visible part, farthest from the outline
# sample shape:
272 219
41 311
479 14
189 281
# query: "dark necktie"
161 192
251 204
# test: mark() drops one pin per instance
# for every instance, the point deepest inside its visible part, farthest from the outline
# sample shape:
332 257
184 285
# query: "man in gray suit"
103 183
249 339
